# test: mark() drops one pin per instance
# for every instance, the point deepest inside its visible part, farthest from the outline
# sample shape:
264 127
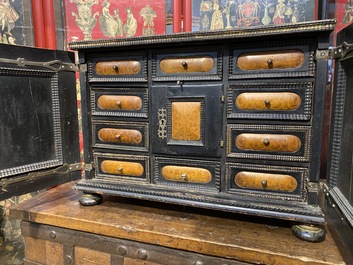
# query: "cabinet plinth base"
309 233
91 199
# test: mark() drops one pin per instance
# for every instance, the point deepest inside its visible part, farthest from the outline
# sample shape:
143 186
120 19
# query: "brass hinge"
83 68
338 52
61 170
55 65
313 186
223 99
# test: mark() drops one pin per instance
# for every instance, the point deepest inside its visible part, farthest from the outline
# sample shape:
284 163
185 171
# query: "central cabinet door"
187 120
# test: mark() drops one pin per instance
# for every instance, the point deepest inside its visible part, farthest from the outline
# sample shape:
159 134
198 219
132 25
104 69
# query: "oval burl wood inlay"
123 136
271 60
116 102
177 65
131 67
186 174
268 101
132 169
268 142
255 180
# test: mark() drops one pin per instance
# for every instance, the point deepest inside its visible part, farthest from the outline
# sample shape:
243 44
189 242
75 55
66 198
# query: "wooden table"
58 230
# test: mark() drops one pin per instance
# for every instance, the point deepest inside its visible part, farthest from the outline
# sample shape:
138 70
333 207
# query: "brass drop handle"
266 142
118 136
267 102
118 104
264 183
120 170
184 177
184 64
115 68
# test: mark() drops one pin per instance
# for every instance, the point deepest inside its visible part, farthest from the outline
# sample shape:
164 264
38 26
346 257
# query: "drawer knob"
264 183
184 64
118 136
267 102
266 142
118 104
120 170
115 68
269 61
184 177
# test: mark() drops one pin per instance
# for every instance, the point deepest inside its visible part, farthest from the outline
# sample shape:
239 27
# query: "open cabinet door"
339 189
39 142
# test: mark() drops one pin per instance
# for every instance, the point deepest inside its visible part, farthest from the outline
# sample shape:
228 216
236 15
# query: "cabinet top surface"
295 28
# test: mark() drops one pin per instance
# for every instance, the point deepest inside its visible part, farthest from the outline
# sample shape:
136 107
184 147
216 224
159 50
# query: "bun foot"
309 233
91 199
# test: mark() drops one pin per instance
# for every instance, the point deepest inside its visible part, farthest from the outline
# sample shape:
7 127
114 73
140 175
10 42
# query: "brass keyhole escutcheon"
264 183
185 65
184 177
266 142
116 68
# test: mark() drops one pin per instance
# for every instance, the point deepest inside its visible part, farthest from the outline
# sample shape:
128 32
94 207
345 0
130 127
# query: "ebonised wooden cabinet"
228 120
224 120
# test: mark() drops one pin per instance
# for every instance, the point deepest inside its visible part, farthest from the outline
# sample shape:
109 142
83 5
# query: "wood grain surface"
250 239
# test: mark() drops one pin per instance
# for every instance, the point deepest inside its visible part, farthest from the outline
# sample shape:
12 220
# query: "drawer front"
121 167
274 142
272 60
284 59
123 102
120 135
271 181
182 64
115 68
182 173
268 181
276 101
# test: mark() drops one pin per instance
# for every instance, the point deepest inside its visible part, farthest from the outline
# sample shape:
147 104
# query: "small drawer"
126 102
275 142
281 143
284 59
121 167
272 60
120 135
254 180
265 181
276 101
185 65
179 173
113 67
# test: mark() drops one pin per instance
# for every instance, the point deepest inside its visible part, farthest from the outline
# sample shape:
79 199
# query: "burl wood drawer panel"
273 142
121 167
268 181
272 100
267 60
189 174
120 135
205 63
123 102
122 67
